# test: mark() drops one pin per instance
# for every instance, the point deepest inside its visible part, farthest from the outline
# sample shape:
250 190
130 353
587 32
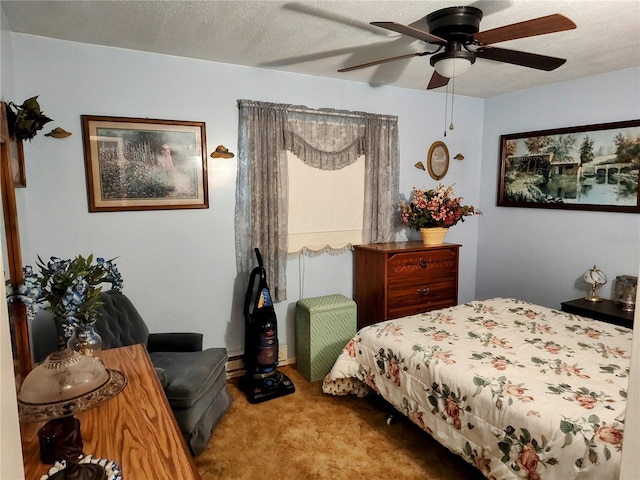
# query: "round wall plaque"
438 160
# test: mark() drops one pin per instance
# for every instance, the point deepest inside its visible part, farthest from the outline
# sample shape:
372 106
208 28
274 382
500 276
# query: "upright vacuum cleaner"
262 381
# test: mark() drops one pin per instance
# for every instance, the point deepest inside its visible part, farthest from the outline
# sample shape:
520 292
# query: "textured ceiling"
320 37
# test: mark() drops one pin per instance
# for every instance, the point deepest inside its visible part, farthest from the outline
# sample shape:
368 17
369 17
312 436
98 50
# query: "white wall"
630 464
541 254
179 266
11 466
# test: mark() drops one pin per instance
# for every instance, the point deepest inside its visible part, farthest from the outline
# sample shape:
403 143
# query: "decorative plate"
111 468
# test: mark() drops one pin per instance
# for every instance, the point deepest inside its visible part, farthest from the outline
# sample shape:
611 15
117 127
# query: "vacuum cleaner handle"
247 300
259 257
257 271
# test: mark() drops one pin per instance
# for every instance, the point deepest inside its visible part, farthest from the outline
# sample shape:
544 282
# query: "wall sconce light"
58 133
222 152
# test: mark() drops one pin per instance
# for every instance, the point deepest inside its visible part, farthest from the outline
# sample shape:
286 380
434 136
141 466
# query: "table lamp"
66 383
596 279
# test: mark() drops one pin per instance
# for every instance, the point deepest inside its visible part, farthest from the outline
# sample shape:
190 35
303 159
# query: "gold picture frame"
144 164
438 160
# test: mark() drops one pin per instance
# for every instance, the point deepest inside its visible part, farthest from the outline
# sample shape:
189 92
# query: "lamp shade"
452 66
594 276
66 383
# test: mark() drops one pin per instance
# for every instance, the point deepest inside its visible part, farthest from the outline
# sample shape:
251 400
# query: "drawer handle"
424 263
422 291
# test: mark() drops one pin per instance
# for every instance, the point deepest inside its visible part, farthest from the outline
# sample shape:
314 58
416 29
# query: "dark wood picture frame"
16 155
12 255
144 164
438 160
590 167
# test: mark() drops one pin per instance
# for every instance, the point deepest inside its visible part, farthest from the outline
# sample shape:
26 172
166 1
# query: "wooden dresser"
136 429
403 278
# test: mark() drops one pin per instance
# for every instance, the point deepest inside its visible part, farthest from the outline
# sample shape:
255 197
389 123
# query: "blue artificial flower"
70 287
112 275
29 291
57 265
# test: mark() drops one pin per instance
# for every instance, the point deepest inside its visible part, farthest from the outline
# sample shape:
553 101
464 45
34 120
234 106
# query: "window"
325 206
326 141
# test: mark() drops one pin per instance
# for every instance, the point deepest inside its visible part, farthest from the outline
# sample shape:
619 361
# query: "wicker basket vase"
434 235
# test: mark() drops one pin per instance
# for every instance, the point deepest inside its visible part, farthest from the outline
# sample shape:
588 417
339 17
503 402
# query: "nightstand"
606 311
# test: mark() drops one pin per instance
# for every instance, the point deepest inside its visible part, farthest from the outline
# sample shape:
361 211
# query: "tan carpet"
309 435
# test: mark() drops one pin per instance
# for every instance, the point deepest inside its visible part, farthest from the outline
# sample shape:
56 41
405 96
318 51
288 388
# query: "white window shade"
325 206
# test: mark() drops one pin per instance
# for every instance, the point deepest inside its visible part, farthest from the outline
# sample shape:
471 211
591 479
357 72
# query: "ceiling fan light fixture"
452 63
452 67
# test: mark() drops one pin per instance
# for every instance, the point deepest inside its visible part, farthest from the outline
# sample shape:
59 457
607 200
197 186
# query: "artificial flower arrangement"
434 208
70 287
27 119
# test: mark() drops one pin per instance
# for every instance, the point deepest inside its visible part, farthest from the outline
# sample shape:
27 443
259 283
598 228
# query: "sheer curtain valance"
322 139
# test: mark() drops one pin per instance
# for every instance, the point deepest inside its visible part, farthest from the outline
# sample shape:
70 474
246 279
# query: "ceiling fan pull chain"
446 106
453 96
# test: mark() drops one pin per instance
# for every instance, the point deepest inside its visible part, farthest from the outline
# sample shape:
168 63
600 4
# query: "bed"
516 389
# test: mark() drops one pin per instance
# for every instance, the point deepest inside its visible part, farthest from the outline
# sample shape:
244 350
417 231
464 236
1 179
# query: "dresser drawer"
416 264
420 279
425 294
406 310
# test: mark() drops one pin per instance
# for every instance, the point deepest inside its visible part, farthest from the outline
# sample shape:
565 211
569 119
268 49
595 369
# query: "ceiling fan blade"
529 28
384 60
437 81
524 59
410 31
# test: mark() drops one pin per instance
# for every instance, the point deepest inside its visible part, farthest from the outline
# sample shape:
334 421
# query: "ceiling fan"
455 33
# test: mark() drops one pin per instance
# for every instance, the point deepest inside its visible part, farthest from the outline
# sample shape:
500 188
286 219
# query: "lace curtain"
324 139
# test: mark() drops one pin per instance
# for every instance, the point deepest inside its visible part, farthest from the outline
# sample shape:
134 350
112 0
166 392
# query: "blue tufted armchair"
194 379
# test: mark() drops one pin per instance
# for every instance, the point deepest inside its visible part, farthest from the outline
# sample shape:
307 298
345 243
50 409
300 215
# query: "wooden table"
136 429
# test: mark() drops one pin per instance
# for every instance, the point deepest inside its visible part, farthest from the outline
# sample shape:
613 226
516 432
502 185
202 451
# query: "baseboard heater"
235 365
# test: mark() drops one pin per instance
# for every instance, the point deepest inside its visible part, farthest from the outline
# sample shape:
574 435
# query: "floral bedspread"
517 389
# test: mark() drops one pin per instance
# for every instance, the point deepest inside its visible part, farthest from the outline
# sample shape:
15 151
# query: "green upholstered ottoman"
324 325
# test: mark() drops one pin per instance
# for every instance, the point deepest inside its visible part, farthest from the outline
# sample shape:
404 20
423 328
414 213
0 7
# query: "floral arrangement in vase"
434 208
70 288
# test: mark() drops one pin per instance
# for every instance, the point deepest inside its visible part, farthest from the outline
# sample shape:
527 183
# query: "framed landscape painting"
143 164
593 167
